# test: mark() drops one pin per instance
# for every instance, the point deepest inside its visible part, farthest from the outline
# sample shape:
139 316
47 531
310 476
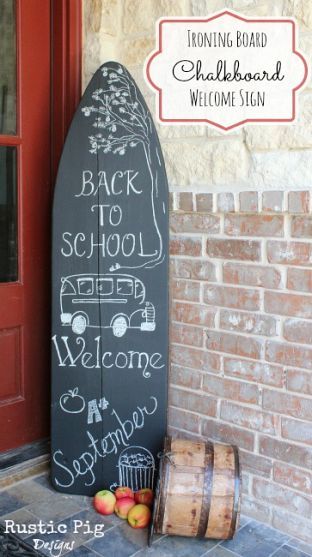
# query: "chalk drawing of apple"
72 402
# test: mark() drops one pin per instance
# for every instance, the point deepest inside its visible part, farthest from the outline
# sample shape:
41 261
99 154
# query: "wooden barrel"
198 490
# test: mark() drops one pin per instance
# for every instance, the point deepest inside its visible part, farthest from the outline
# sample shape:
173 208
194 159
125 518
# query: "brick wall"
241 268
241 335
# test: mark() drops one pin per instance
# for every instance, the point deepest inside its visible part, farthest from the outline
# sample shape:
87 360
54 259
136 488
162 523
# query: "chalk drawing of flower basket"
136 468
122 296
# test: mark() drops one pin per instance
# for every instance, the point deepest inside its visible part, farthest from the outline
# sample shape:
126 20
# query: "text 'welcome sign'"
226 70
110 293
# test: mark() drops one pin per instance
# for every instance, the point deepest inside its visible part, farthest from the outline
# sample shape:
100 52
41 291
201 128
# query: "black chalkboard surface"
110 293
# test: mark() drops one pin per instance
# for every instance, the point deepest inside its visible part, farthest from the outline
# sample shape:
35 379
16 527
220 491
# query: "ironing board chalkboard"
110 293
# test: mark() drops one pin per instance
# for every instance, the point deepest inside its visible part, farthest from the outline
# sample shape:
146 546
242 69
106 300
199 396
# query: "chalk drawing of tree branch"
124 123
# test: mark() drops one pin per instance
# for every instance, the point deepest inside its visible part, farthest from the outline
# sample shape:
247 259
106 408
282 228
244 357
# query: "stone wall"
241 268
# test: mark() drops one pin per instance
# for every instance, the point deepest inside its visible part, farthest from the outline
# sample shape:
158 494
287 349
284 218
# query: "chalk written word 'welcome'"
77 355
226 70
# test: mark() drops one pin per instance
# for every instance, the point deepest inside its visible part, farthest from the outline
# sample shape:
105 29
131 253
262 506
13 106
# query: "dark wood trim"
66 21
21 454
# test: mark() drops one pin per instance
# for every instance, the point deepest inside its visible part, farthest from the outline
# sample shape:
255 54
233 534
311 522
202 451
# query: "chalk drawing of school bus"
120 297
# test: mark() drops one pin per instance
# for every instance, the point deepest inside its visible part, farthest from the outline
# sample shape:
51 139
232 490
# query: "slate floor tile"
51 544
35 499
82 551
157 537
256 540
154 551
220 552
300 545
9 503
243 520
88 524
29 491
77 530
44 480
21 518
55 509
82 500
121 541
179 546
288 551
174 546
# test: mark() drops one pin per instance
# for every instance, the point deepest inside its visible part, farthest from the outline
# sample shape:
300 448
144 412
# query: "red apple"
144 496
123 506
139 516
104 502
122 492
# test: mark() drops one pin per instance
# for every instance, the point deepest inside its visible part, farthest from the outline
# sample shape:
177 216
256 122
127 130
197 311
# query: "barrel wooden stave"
185 488
183 519
199 490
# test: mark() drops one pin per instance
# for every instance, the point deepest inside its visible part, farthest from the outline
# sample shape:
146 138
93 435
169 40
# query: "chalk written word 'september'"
110 293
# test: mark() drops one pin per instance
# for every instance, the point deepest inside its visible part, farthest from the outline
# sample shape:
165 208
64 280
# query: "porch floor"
33 499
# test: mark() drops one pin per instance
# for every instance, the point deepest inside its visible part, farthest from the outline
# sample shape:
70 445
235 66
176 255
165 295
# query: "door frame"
65 72
66 62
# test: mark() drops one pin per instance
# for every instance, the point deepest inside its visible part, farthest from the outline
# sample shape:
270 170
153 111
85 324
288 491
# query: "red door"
25 200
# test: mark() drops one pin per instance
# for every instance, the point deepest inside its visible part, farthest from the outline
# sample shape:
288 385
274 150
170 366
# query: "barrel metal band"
236 502
207 491
164 478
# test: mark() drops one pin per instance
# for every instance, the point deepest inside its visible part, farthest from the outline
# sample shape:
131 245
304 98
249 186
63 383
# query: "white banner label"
226 70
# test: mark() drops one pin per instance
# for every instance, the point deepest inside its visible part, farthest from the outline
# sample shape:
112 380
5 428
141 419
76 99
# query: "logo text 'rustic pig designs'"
110 292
